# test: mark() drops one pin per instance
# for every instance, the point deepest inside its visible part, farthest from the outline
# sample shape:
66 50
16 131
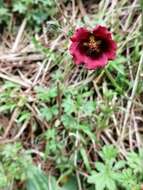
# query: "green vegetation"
63 127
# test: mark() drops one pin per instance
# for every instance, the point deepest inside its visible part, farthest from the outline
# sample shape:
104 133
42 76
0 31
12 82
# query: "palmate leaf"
128 180
108 153
97 180
135 161
102 181
69 105
45 94
19 7
107 172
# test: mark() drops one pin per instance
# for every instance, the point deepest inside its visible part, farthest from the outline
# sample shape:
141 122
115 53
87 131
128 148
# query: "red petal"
80 34
74 50
111 52
102 31
96 63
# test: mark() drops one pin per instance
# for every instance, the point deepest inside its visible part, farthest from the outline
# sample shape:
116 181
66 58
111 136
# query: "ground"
62 126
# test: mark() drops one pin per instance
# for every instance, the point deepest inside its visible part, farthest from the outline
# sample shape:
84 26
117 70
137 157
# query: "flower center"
93 44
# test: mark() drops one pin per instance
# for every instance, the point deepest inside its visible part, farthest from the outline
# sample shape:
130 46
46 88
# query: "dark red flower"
93 49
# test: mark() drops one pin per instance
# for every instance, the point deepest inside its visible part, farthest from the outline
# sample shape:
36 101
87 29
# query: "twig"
114 142
15 80
131 98
130 14
31 151
19 35
16 136
78 180
136 131
15 58
81 7
54 44
130 137
13 117
41 66
59 99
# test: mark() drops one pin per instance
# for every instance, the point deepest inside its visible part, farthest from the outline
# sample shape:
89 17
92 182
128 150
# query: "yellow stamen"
93 44
85 44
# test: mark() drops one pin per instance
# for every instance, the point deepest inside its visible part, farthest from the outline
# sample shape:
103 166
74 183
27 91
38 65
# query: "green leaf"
11 85
118 65
135 161
36 180
106 176
19 7
108 153
98 180
3 178
46 94
89 107
69 105
128 180
119 165
69 121
71 184
102 181
23 116
4 15
7 107
46 113
85 128
99 166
